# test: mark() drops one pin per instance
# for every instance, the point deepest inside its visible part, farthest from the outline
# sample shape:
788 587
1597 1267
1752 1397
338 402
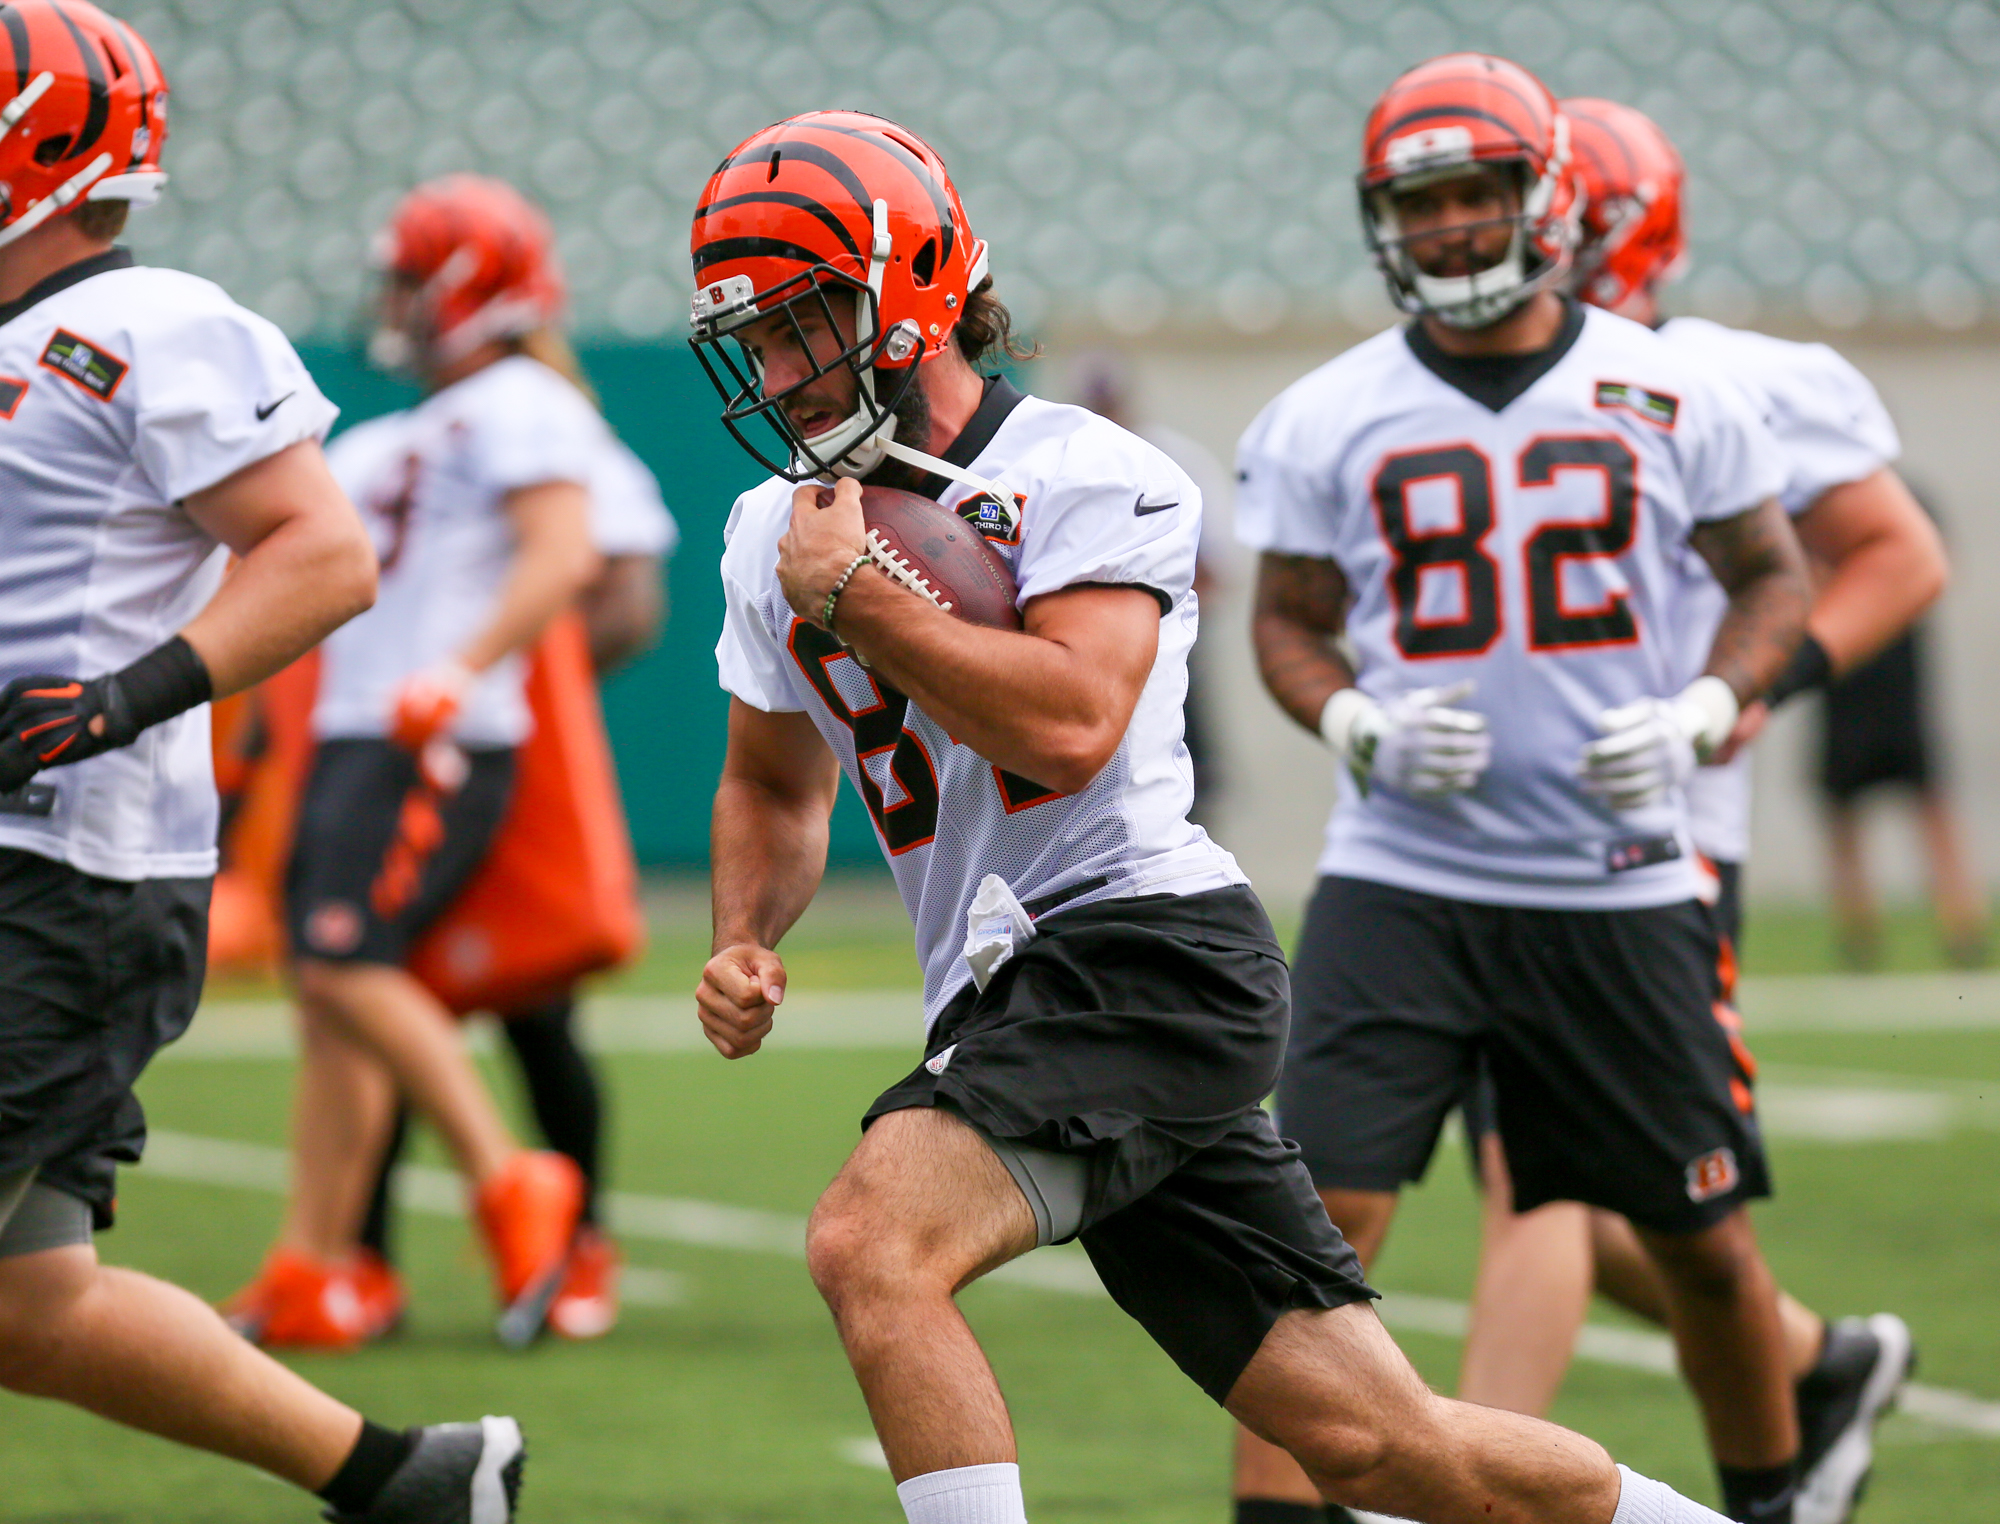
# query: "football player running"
1493 503
1099 1045
478 502
150 422
1883 565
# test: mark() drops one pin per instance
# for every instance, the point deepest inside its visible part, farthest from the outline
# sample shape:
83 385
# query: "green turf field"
724 1397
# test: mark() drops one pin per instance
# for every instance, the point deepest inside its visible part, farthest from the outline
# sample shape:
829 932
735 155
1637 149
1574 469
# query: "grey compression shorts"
34 1217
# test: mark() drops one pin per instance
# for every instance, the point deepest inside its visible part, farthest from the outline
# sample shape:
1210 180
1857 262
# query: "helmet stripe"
17 34
711 254
100 90
812 153
1431 113
946 226
786 198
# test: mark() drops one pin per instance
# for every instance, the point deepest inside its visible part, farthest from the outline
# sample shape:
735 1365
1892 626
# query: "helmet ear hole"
49 150
923 269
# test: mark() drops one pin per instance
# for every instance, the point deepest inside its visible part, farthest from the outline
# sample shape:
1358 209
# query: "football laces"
900 571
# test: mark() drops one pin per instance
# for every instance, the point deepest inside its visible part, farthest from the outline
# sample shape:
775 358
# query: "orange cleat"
587 1305
384 1298
527 1214
298 1302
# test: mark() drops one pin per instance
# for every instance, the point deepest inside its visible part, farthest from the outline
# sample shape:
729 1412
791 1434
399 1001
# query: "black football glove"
51 721
45 721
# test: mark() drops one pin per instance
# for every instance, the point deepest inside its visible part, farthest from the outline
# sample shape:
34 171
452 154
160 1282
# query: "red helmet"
1439 120
1631 179
478 263
87 116
841 201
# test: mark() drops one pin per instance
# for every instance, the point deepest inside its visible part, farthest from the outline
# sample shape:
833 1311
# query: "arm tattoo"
1301 606
1757 559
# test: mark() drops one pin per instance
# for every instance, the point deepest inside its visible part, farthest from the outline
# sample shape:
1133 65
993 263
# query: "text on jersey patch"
78 360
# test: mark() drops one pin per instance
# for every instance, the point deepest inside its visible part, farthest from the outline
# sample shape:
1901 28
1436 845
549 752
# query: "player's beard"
913 428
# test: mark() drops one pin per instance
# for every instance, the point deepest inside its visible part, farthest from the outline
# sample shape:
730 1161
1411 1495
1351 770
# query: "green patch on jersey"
79 361
1655 407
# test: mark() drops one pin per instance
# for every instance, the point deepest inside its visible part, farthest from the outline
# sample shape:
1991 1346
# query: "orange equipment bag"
557 896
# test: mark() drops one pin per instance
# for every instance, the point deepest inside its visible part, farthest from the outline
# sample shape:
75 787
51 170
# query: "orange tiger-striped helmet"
825 203
1440 120
85 117
1631 179
468 260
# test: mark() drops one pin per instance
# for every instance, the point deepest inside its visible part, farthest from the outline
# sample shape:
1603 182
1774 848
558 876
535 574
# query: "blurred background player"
1879 565
478 501
1494 504
128 460
1877 730
624 609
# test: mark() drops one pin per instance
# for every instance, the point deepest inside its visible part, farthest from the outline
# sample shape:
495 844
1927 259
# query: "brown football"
934 553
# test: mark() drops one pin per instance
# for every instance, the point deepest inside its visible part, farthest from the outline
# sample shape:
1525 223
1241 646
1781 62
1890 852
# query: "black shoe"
459 1473
1840 1400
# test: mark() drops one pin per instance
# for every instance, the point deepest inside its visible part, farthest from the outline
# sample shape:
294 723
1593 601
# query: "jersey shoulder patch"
84 364
1658 408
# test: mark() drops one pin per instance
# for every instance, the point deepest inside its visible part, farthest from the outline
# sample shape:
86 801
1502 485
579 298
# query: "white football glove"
1655 744
1417 743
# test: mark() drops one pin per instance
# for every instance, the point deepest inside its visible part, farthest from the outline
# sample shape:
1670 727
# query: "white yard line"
709 1225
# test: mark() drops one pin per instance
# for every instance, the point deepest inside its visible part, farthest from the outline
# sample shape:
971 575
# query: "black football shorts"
380 853
1143 1035
1618 1075
96 975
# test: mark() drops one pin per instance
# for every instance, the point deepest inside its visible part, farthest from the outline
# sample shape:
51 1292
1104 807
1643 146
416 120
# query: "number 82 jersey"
1521 522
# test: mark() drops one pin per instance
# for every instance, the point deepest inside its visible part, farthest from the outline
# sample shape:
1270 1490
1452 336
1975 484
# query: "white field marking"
641 1286
1066 1269
893 1018
863 1451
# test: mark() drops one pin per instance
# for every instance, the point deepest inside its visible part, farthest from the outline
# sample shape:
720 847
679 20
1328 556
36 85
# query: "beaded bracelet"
839 587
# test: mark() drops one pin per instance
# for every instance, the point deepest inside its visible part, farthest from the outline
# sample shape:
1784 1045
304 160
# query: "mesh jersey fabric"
1532 547
945 817
123 392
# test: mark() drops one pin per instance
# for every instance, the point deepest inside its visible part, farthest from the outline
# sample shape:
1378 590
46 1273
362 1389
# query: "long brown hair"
986 332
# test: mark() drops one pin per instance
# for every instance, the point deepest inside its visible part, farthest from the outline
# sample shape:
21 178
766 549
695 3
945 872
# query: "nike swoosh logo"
270 408
1141 508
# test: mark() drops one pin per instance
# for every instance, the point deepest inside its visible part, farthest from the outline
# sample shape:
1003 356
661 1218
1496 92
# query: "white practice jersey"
1098 505
124 389
1530 543
628 517
432 483
1833 429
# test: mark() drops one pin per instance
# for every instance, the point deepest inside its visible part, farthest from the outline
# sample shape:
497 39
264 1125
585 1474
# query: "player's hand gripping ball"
922 547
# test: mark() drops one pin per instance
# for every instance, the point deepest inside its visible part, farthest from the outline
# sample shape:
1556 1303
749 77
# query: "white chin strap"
1473 301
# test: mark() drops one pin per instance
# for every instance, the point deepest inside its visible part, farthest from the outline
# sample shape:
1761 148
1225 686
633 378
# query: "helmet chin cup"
832 452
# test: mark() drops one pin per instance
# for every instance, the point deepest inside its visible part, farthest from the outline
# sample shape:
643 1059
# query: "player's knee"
853 1253
1715 1262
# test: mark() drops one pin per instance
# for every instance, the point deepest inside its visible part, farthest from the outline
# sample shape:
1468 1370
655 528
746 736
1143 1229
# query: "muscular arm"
553 559
306 567
768 849
1050 703
1757 559
1300 607
1886 565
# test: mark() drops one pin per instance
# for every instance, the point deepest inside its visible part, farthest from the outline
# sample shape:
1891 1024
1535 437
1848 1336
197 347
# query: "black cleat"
1840 1400
459 1473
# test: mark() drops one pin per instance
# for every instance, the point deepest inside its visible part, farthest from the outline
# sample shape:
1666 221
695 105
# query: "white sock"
1641 1500
966 1495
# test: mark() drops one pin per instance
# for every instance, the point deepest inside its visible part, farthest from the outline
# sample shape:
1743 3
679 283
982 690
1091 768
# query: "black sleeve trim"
1166 603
